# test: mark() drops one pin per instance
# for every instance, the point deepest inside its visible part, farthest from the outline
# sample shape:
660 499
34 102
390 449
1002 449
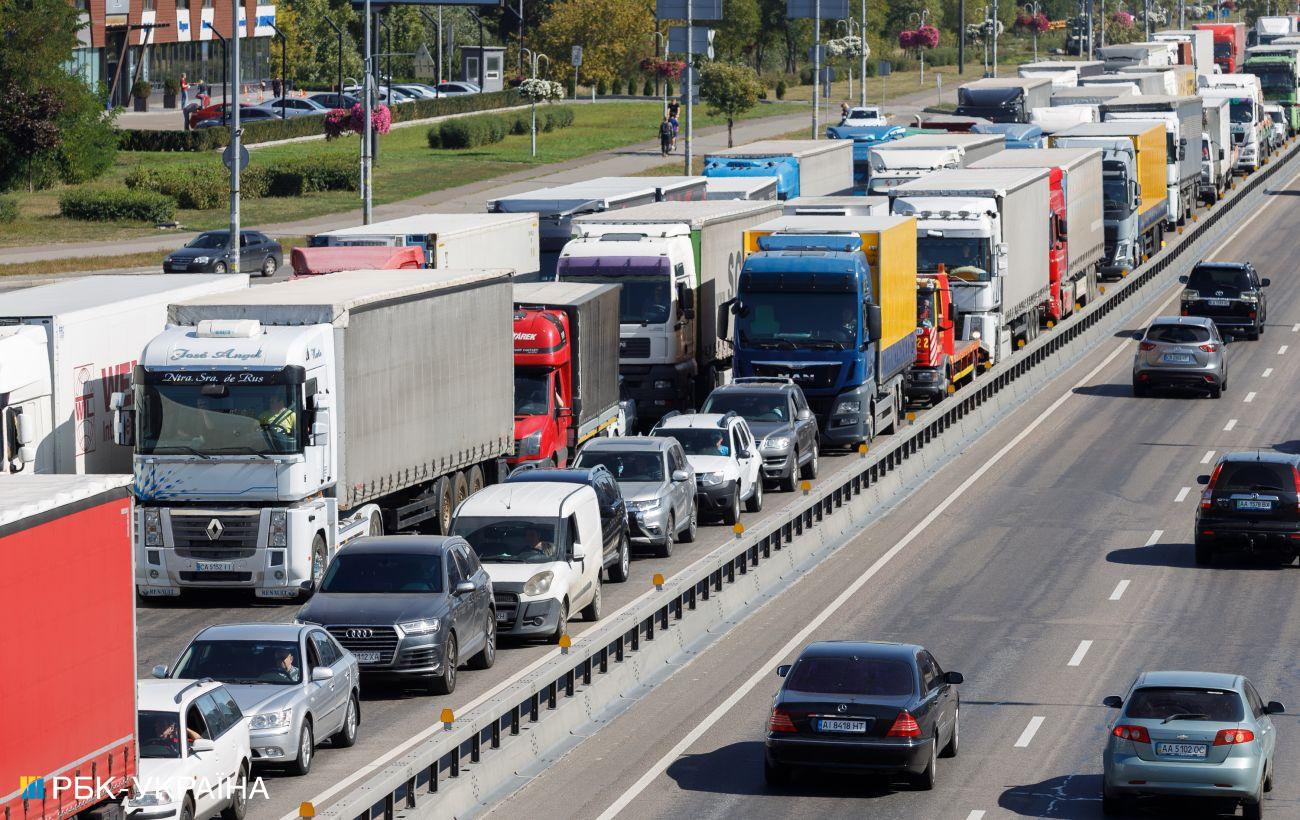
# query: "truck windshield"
239 420
510 540
628 466
1241 111
532 392
953 252
1114 195
373 573
646 295
792 319
242 662
159 734
1222 50
1276 80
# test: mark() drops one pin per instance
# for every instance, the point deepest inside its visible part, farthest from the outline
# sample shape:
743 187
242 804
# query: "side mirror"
804 414
724 319
1203 480
123 420
464 588
742 453
321 673
1183 279
1138 334
681 475
320 431
1274 708
783 670
202 745
686 298
307 587
578 553
159 671
1265 282
954 678
873 322
322 401
1113 701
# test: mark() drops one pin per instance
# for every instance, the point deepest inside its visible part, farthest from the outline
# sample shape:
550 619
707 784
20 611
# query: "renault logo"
214 529
360 633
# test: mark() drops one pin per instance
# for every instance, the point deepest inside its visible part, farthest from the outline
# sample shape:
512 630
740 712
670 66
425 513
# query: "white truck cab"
722 452
542 545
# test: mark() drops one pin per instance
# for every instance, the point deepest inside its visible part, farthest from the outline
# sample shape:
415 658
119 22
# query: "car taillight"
1146 346
1137 734
781 722
905 726
1210 347
1209 488
1231 737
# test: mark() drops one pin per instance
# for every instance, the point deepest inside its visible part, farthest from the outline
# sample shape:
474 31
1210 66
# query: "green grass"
407 168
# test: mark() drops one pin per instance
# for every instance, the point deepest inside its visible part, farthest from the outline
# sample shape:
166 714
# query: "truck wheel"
442 497
475 479
445 683
755 501
591 612
319 559
459 488
808 471
622 568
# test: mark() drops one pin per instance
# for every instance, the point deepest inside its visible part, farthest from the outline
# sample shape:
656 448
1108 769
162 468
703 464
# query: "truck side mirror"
1182 149
1223 153
724 319
123 420
686 298
872 315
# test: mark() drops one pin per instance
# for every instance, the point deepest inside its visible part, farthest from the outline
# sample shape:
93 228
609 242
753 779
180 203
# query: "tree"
737 30
612 34
730 89
313 45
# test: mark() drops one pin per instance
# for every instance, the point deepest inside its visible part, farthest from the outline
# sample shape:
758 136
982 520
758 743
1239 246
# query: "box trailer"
1218 151
1144 82
451 240
69 710
837 206
1179 80
1196 47
1229 44
319 261
897 162
1003 99
64 349
1127 55
1182 120
804 167
751 189
1062 73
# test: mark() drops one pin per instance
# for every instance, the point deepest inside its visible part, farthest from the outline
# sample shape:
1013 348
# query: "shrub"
8 208
648 89
309 175
205 139
520 122
780 89
465 132
434 136
601 88
108 204
140 89
631 87
197 188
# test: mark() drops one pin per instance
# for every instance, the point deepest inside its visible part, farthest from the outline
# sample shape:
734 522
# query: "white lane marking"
975 814
1182 494
1249 398
1268 371
1032 729
1077 657
1209 455
1282 350
1119 590
1295 328
1231 424
1155 536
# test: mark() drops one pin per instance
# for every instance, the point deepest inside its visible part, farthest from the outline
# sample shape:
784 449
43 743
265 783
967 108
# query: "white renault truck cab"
542 545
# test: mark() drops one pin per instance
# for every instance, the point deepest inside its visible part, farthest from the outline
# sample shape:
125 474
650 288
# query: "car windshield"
159 734
379 572
242 662
1254 476
1178 334
626 466
1185 703
210 419
750 406
532 392
212 240
790 319
852 675
954 252
1211 278
511 540
699 441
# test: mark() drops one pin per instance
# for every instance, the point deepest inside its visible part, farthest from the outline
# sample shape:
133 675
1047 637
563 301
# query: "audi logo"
360 633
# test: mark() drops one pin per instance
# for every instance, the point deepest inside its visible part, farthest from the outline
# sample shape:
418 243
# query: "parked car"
418 91
189 731
212 111
863 706
409 607
657 484
1230 293
778 414
381 93
1250 505
293 107
332 99
613 511
538 541
1180 351
207 253
1192 734
721 450
295 681
247 114
865 116
451 89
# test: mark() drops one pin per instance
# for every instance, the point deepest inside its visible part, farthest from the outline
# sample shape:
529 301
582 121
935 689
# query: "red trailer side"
317 261
68 692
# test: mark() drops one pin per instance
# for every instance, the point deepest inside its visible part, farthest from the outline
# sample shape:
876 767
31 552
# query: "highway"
1049 563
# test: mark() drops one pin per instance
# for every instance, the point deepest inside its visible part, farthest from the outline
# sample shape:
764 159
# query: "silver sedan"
295 681
1180 352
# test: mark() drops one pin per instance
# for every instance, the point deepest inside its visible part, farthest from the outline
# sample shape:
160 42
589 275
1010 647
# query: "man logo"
33 788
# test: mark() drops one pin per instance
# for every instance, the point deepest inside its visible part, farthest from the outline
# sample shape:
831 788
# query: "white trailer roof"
93 292
951 140
696 212
24 496
1006 82
783 148
1038 158
972 179
435 224
742 185
828 223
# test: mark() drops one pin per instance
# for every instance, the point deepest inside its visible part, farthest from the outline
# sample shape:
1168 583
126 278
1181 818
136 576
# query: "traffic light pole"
690 89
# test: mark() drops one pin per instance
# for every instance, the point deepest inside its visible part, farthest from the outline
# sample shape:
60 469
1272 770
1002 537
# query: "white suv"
721 450
202 776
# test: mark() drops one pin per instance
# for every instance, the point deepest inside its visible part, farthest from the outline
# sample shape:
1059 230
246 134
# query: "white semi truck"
274 424
64 349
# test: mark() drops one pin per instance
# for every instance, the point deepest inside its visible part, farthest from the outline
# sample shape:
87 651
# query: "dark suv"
781 421
613 510
1250 504
1231 294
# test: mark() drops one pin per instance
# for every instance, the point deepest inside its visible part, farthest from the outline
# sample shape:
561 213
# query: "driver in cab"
533 541
278 419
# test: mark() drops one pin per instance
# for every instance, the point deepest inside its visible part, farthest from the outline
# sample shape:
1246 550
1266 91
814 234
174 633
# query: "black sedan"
863 707
207 253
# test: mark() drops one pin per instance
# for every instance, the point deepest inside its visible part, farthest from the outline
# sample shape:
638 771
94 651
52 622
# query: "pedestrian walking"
275 87
674 108
665 137
185 90
844 112
672 121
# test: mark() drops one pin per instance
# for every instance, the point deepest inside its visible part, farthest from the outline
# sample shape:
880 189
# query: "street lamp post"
921 18
284 66
1033 10
235 136
533 58
862 69
662 39
338 31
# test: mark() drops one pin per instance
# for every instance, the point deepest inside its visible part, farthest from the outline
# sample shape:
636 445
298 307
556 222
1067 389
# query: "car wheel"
775 775
1140 391
1253 810
953 742
445 683
787 483
755 501
306 750
319 560
925 780
732 515
622 568
220 267
1216 391
1204 553
562 627
591 612
1268 779
269 267
688 534
187 809
488 654
346 737
665 549
1111 805
809 470
238 800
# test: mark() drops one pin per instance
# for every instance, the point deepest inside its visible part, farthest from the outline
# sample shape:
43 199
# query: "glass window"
678 458
959 255
532 392
769 406
1254 476
230 713
313 656
637 465
1253 699
212 715
699 441
1211 278
211 419
510 540
1178 334
241 662
646 295
378 572
463 572
852 675
159 734
1163 703
324 648
788 319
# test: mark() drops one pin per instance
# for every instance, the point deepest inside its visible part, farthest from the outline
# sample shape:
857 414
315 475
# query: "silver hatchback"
1180 352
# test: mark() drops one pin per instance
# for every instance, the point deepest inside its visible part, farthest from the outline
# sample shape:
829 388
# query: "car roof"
160 694
1270 456
620 444
1208 680
756 387
1198 321
251 632
698 421
579 475
1221 265
522 498
871 649
414 544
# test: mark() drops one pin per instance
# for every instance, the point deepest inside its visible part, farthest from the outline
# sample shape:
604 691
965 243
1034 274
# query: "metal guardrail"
419 775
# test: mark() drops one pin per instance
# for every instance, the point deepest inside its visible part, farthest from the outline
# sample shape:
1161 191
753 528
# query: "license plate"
1177 358
856 726
214 566
367 657
1181 749
1217 302
1254 505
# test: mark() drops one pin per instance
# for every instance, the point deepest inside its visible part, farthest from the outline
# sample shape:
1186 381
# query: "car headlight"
645 506
202 260
775 444
710 479
153 798
153 528
279 528
272 720
531 444
424 626
539 584
849 406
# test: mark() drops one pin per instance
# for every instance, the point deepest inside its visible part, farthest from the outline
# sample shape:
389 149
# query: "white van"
542 544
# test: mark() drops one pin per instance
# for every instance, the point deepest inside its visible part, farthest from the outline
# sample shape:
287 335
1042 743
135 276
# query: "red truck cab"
941 358
1229 44
1060 298
543 387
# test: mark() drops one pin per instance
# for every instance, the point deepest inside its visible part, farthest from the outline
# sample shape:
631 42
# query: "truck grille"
216 577
809 376
381 639
236 536
634 348
507 609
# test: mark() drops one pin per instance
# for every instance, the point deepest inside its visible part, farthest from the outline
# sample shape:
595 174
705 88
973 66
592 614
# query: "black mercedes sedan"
864 707
208 253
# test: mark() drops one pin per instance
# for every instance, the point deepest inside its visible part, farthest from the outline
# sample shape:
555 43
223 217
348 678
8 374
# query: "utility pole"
687 148
995 38
862 29
817 63
961 35
367 136
235 141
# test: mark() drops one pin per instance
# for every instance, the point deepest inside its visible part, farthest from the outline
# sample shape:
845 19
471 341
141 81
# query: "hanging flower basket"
668 69
535 89
1122 19
342 121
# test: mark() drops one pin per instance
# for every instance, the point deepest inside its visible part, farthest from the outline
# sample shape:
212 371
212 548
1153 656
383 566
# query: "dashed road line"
1281 351
1077 657
1155 536
1032 729
1268 371
1208 457
1231 424
1182 495
1119 590
1249 398
975 814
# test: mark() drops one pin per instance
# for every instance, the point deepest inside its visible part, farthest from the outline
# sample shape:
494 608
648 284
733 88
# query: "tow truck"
943 361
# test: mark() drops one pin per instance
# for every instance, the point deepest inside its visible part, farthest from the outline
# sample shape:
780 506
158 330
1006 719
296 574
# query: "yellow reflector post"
565 642
1050 324
1078 306
306 810
806 486
448 718
738 528
952 388
862 449
1020 342
658 580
